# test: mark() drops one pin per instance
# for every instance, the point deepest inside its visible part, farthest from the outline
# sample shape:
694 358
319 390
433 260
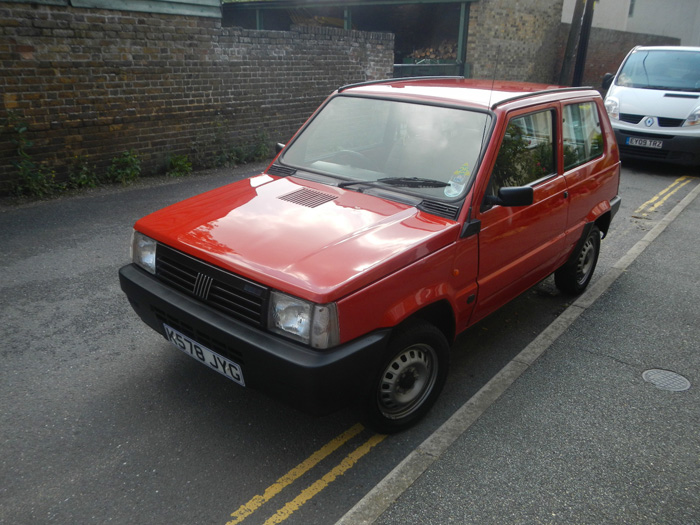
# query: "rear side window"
583 139
526 153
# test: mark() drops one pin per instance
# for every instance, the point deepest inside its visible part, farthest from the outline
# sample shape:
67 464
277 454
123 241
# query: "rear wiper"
407 182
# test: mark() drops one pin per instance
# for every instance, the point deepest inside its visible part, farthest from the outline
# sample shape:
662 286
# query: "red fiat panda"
400 214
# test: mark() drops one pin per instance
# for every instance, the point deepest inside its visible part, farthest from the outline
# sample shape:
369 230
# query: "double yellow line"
660 198
317 486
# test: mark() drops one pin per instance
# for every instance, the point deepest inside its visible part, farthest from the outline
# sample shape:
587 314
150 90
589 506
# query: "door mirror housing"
607 80
517 196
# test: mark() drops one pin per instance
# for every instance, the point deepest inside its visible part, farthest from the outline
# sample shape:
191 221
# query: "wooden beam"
292 4
43 2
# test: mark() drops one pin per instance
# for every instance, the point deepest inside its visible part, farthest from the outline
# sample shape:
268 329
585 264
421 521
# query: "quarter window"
526 153
583 139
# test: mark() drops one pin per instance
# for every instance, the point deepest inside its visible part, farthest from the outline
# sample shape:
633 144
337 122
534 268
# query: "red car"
401 213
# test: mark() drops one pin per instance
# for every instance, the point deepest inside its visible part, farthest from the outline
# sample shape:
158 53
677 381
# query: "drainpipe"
583 43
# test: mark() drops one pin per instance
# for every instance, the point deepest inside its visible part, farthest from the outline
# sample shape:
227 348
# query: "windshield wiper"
406 182
413 182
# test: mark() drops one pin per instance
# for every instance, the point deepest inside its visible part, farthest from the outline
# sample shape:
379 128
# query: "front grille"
664 122
650 153
646 135
224 291
670 122
631 119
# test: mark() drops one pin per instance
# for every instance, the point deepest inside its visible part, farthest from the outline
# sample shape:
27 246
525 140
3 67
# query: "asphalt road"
102 421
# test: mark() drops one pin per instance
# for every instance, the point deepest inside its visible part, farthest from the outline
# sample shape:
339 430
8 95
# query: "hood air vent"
307 197
281 171
438 208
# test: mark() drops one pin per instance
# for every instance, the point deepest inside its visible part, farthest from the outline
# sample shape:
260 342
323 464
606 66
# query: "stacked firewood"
447 50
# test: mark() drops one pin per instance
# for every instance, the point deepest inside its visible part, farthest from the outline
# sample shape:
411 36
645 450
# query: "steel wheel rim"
407 381
586 261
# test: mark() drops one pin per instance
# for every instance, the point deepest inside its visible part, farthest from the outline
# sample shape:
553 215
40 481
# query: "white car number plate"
645 143
202 354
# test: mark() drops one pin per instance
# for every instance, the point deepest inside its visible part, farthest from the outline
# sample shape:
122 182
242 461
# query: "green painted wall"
208 8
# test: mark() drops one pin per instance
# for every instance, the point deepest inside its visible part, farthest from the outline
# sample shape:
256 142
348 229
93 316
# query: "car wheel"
410 379
574 276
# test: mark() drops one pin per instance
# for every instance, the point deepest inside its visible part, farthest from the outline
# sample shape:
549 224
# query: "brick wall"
511 40
96 83
525 40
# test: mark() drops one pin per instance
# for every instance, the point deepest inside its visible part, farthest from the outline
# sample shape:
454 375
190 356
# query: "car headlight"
143 251
312 324
693 119
612 106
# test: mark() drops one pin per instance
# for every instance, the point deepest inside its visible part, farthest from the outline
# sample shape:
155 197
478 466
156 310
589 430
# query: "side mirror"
607 80
279 147
518 196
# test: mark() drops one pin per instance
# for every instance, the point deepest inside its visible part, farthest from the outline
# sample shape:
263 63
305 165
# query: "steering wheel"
355 159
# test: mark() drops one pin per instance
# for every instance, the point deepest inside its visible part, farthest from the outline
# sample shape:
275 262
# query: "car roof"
666 48
486 94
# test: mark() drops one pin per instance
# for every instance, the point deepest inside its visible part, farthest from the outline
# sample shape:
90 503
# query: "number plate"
202 354
645 143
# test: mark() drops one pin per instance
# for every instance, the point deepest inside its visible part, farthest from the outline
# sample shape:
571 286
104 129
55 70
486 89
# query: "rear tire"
576 274
409 380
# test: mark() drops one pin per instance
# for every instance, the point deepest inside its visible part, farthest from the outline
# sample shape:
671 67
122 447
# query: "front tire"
576 274
409 380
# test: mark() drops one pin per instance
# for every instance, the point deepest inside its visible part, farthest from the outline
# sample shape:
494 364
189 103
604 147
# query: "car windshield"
425 150
662 69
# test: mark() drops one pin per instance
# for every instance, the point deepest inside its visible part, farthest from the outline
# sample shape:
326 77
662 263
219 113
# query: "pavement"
580 427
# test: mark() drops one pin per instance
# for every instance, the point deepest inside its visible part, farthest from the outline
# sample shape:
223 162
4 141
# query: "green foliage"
38 181
179 166
258 150
125 168
33 179
81 175
261 149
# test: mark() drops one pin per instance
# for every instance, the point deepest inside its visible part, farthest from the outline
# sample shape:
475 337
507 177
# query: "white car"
654 104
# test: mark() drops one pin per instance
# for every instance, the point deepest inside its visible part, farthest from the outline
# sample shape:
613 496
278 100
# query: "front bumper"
677 149
316 382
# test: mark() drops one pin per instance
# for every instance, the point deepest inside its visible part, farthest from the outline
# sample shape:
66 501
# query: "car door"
520 245
583 150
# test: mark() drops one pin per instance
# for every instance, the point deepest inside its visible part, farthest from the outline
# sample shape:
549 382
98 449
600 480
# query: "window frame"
580 162
554 111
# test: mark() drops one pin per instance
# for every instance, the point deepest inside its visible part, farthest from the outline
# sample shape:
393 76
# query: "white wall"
675 18
608 14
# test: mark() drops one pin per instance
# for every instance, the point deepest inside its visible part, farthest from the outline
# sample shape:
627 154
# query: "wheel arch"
439 314
603 222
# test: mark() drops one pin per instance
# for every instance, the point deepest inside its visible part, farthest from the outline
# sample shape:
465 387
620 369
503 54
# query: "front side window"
425 150
526 153
583 138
